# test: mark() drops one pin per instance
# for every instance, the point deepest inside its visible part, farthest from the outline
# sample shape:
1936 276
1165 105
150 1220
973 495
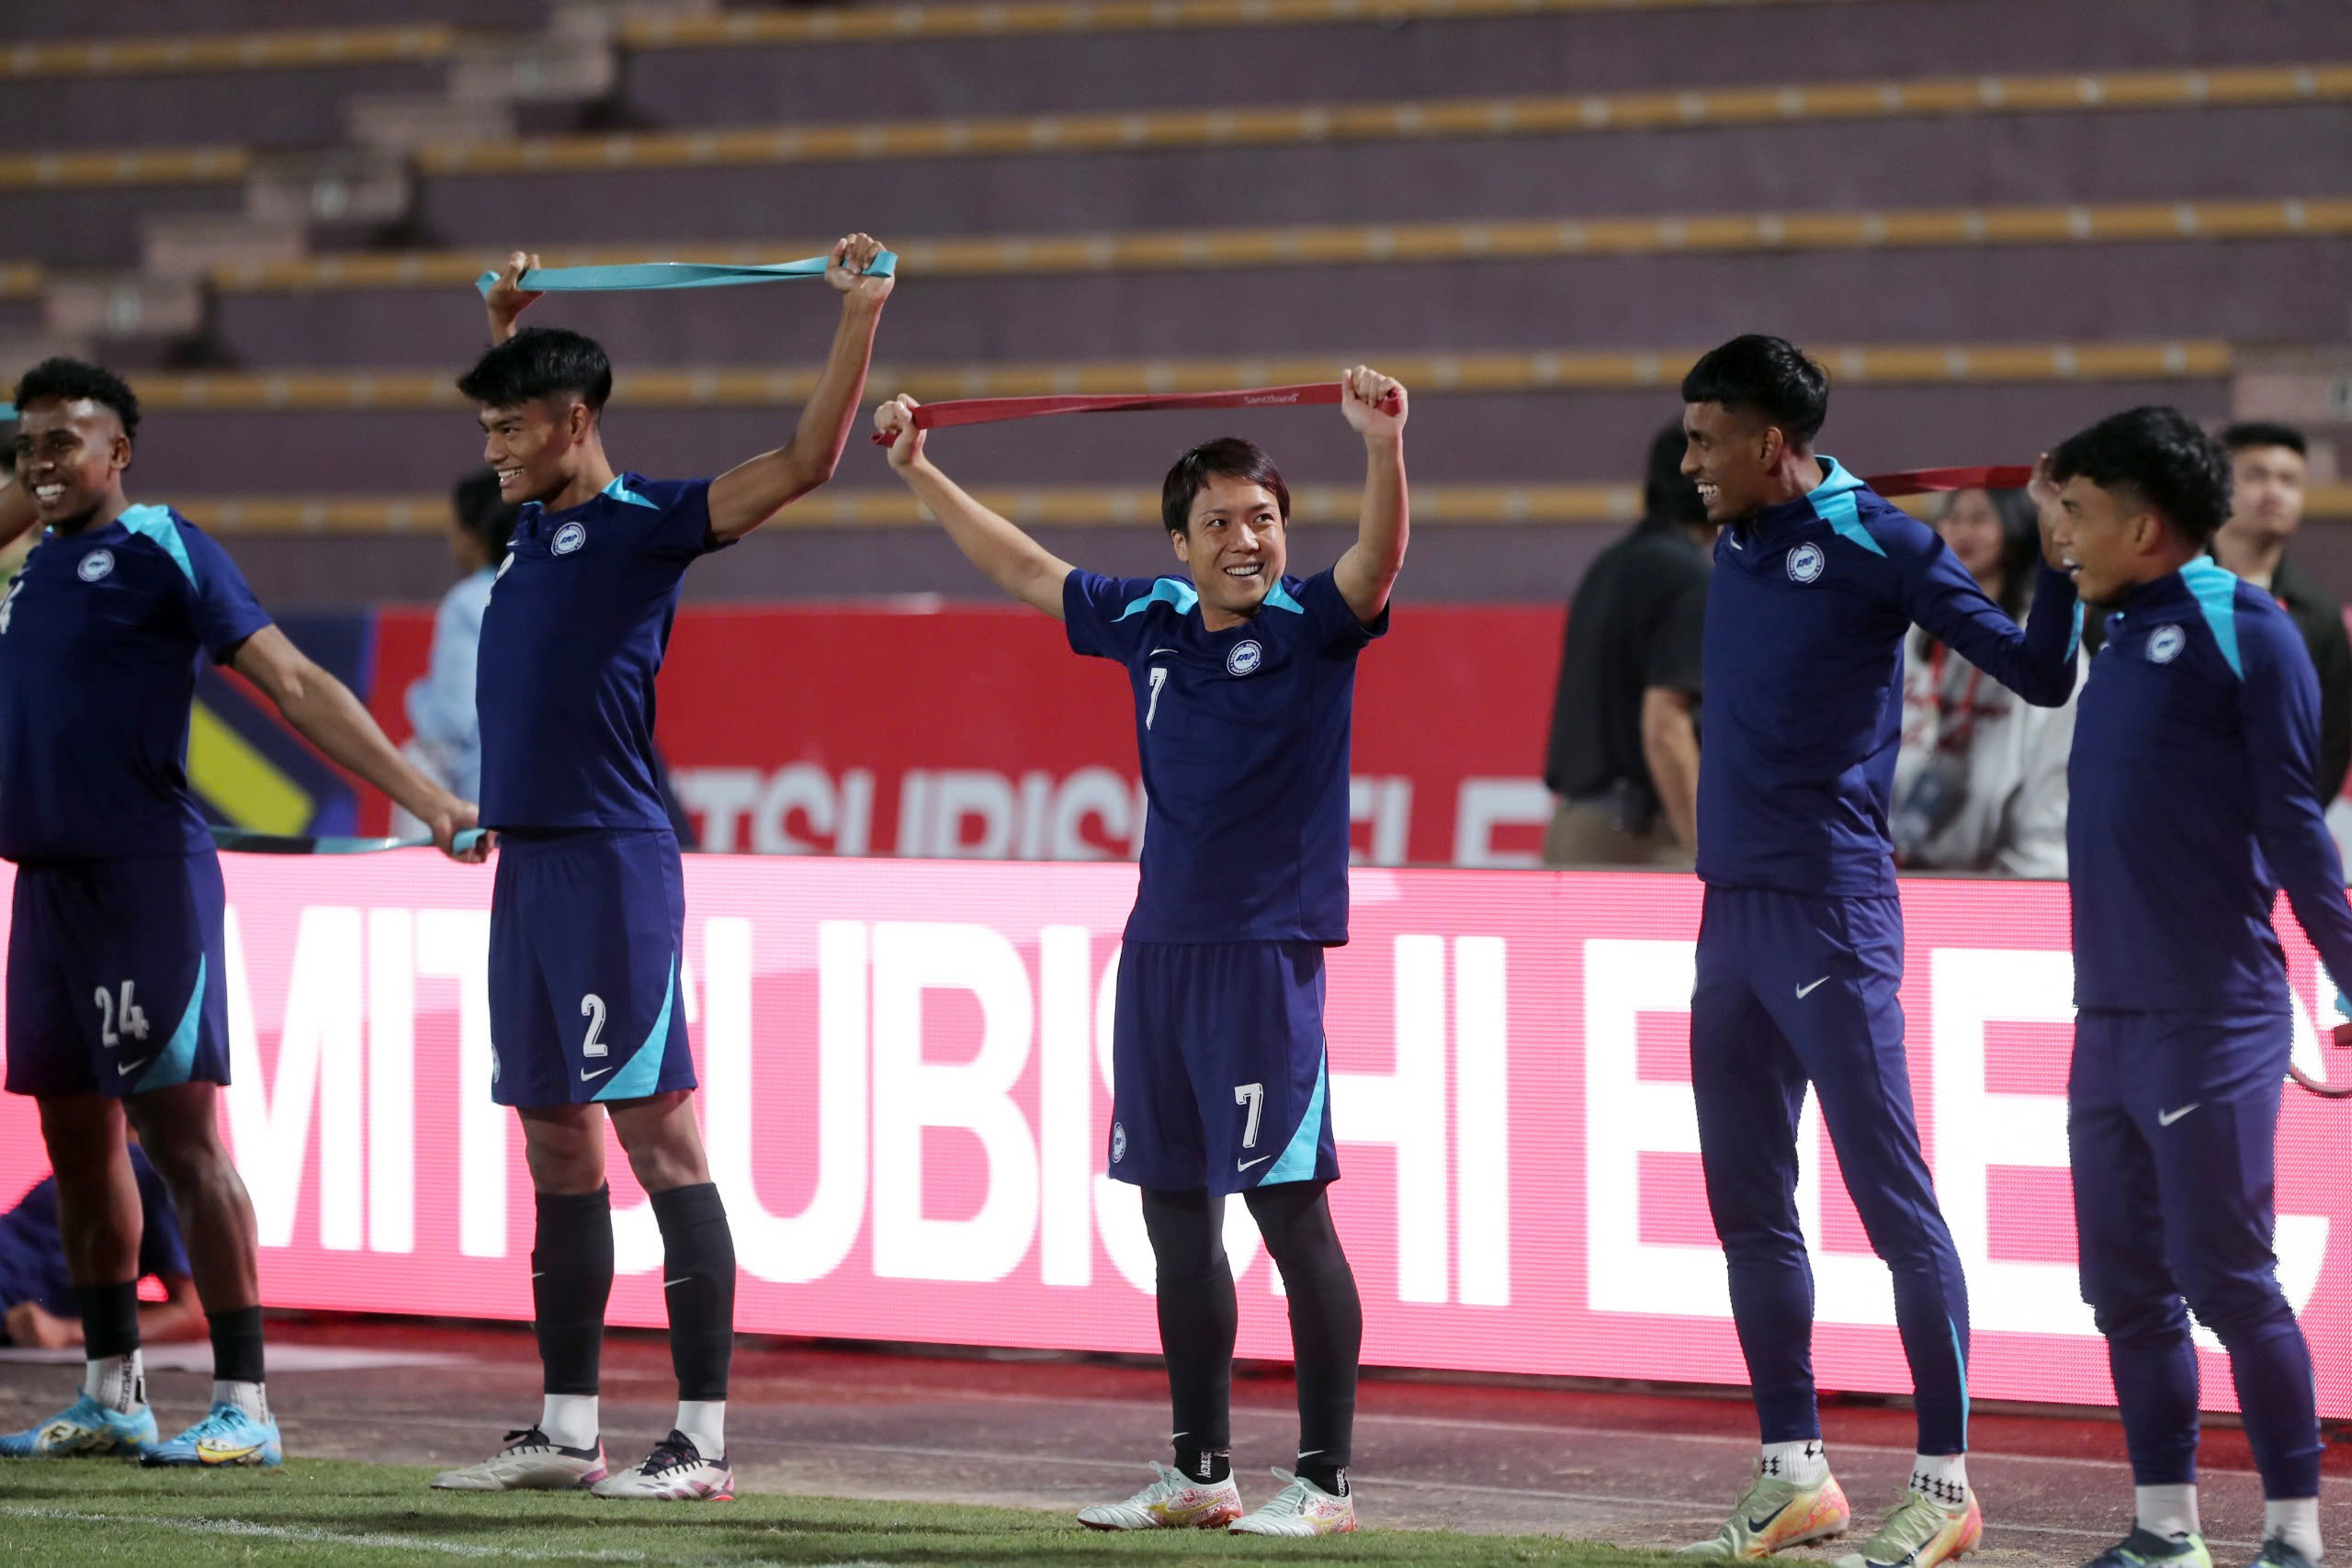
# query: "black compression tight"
1198 1314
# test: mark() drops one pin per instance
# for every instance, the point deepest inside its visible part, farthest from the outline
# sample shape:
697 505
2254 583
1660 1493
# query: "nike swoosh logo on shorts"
587 1076
1805 991
1248 1163
2166 1118
127 1068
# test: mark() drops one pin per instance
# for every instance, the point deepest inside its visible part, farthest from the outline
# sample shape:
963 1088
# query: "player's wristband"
991 410
671 275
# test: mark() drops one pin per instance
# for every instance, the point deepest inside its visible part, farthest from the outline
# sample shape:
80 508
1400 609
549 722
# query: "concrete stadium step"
286 436
880 62
285 107
131 21
2250 290
2268 152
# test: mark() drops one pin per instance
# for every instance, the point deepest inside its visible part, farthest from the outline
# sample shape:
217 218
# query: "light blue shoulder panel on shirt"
156 522
618 490
1278 598
2075 638
1833 502
2217 592
1166 591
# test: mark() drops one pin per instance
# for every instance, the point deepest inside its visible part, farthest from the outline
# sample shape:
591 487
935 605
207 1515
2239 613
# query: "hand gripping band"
671 275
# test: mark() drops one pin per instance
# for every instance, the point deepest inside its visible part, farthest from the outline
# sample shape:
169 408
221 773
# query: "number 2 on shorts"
592 1007
1252 1095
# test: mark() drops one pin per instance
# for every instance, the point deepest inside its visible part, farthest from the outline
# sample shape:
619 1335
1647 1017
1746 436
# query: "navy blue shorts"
585 932
1219 1077
115 977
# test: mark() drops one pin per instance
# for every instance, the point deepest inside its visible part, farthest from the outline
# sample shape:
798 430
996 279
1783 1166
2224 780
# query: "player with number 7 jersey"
1244 688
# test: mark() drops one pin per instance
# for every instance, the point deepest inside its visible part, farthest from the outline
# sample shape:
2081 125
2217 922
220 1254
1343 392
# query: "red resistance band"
990 411
1922 481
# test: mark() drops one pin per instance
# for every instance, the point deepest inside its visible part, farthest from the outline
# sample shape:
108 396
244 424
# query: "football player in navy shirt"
2195 797
587 923
116 986
1800 955
1243 682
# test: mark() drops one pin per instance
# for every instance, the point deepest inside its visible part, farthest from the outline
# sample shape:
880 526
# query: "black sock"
698 1284
236 1345
1197 1319
1207 1466
572 1279
109 1319
1326 1323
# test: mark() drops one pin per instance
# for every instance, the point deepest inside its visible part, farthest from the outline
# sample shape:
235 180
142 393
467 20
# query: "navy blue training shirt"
1243 735
573 636
100 636
1806 612
2193 798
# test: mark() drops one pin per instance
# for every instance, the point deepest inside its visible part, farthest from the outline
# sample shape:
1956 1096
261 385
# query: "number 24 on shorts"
117 1023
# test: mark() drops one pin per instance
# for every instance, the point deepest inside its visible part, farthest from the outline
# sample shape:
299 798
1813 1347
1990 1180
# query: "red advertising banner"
974 732
906 1068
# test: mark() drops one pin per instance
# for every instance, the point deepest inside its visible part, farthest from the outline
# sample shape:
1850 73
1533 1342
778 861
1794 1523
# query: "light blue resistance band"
671 275
239 840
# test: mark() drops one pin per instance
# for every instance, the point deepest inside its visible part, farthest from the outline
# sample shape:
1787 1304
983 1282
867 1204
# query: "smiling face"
1235 541
70 458
2109 541
536 447
1730 456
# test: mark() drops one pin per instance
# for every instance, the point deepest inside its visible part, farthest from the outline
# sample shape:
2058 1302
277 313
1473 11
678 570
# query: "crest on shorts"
2165 644
1118 1142
569 537
1245 658
1806 563
95 564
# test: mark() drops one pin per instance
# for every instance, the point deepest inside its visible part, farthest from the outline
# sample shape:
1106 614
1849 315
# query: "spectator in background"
2266 465
1623 761
446 743
37 1293
1980 784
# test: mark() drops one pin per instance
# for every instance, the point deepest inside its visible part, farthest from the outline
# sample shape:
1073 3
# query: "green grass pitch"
62 1514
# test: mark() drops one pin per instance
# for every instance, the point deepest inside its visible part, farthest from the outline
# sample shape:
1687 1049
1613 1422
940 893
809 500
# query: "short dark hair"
1770 376
2263 432
1228 457
1667 493
481 512
2160 454
540 362
71 380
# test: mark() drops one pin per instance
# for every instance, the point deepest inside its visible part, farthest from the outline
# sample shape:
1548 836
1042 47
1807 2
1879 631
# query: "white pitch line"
315 1536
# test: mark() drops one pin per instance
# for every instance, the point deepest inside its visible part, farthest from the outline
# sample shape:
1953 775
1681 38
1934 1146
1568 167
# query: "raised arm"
1366 572
746 496
2038 662
322 710
2279 698
1011 559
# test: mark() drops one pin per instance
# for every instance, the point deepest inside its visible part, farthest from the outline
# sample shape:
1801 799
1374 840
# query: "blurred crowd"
1979 780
